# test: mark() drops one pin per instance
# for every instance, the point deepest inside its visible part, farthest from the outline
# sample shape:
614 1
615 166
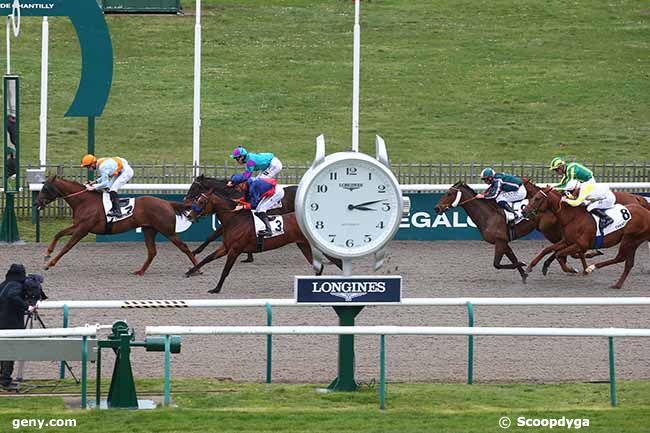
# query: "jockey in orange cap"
114 173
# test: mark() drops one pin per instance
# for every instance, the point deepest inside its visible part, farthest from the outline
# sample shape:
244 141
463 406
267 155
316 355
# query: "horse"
579 230
204 184
240 235
491 222
154 215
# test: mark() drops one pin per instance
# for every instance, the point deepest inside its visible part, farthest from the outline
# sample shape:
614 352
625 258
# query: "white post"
196 141
355 77
44 72
8 46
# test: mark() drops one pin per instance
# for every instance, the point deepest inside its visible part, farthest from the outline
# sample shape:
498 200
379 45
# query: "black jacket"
12 301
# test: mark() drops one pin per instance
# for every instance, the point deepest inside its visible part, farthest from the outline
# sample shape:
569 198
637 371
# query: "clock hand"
359 207
363 205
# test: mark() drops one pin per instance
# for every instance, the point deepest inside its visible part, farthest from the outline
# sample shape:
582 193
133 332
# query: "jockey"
569 172
504 189
114 173
265 162
262 194
596 196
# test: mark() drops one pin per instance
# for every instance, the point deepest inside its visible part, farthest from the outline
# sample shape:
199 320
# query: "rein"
457 201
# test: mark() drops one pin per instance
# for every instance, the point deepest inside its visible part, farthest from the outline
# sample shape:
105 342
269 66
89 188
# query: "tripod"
29 324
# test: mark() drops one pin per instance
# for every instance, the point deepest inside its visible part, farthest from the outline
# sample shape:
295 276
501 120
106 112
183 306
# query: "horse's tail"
179 208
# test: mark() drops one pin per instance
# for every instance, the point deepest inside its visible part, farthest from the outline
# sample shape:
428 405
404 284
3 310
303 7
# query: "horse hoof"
46 258
139 273
193 273
215 290
590 269
615 287
529 270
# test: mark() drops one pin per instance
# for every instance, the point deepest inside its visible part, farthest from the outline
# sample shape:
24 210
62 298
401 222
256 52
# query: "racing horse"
154 215
491 222
579 230
204 184
240 235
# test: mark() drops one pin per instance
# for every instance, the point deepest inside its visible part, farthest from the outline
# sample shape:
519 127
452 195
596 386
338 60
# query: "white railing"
286 302
405 188
82 331
382 331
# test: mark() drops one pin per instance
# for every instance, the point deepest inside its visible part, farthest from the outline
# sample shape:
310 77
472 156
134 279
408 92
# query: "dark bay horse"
491 222
203 184
240 236
579 229
154 215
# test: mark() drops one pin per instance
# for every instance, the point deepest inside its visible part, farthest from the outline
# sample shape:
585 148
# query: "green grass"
441 81
216 406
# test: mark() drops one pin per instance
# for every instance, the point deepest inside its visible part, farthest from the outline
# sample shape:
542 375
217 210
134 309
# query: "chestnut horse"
491 222
579 230
204 184
154 215
240 235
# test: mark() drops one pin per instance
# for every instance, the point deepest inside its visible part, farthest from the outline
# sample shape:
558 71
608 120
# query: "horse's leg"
183 247
77 235
219 252
230 261
501 249
213 237
626 252
545 251
150 242
306 251
65 232
519 265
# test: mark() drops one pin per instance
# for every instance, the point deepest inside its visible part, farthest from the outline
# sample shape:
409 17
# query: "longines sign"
349 290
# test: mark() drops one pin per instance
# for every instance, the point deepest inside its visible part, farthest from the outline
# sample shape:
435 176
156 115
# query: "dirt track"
429 269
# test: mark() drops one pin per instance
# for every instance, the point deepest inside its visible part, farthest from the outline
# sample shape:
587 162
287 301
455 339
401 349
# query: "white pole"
8 46
355 77
44 72
196 142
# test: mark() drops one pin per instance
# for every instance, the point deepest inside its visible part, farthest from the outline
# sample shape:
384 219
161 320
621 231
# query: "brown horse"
491 222
154 215
240 236
579 230
204 184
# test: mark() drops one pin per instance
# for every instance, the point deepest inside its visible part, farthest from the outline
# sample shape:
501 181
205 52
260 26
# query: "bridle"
199 209
459 195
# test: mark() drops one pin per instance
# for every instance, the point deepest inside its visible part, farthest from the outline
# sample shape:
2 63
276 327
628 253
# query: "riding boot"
604 219
115 210
506 206
265 219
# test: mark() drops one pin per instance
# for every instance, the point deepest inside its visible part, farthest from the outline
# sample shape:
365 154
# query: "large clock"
349 205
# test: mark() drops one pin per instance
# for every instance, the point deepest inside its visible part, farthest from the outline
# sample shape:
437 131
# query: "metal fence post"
269 343
168 371
470 345
65 325
612 373
382 372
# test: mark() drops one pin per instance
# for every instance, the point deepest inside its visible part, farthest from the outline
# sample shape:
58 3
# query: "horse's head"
210 202
458 192
204 183
541 202
48 193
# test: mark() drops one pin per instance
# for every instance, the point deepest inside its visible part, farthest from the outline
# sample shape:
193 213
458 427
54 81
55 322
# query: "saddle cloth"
277 225
619 213
127 205
518 206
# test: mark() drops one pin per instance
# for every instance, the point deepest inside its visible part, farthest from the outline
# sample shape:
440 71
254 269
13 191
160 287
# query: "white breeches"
512 196
121 180
605 203
269 202
272 170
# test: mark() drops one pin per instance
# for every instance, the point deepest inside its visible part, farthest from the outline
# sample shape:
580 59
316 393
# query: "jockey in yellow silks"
596 196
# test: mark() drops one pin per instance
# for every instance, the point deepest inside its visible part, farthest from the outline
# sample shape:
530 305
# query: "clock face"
351 206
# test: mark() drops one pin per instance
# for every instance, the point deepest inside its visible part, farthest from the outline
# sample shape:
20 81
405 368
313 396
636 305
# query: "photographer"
14 303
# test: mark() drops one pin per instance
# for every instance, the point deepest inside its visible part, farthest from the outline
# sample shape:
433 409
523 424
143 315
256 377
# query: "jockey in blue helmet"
267 163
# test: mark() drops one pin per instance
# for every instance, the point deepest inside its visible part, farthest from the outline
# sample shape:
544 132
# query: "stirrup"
264 233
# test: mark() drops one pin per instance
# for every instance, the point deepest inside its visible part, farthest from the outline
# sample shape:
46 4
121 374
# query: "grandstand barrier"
382 331
268 305
53 344
422 224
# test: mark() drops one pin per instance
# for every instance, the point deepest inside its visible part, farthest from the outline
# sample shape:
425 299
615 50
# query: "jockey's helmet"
239 152
487 173
572 185
88 160
556 163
